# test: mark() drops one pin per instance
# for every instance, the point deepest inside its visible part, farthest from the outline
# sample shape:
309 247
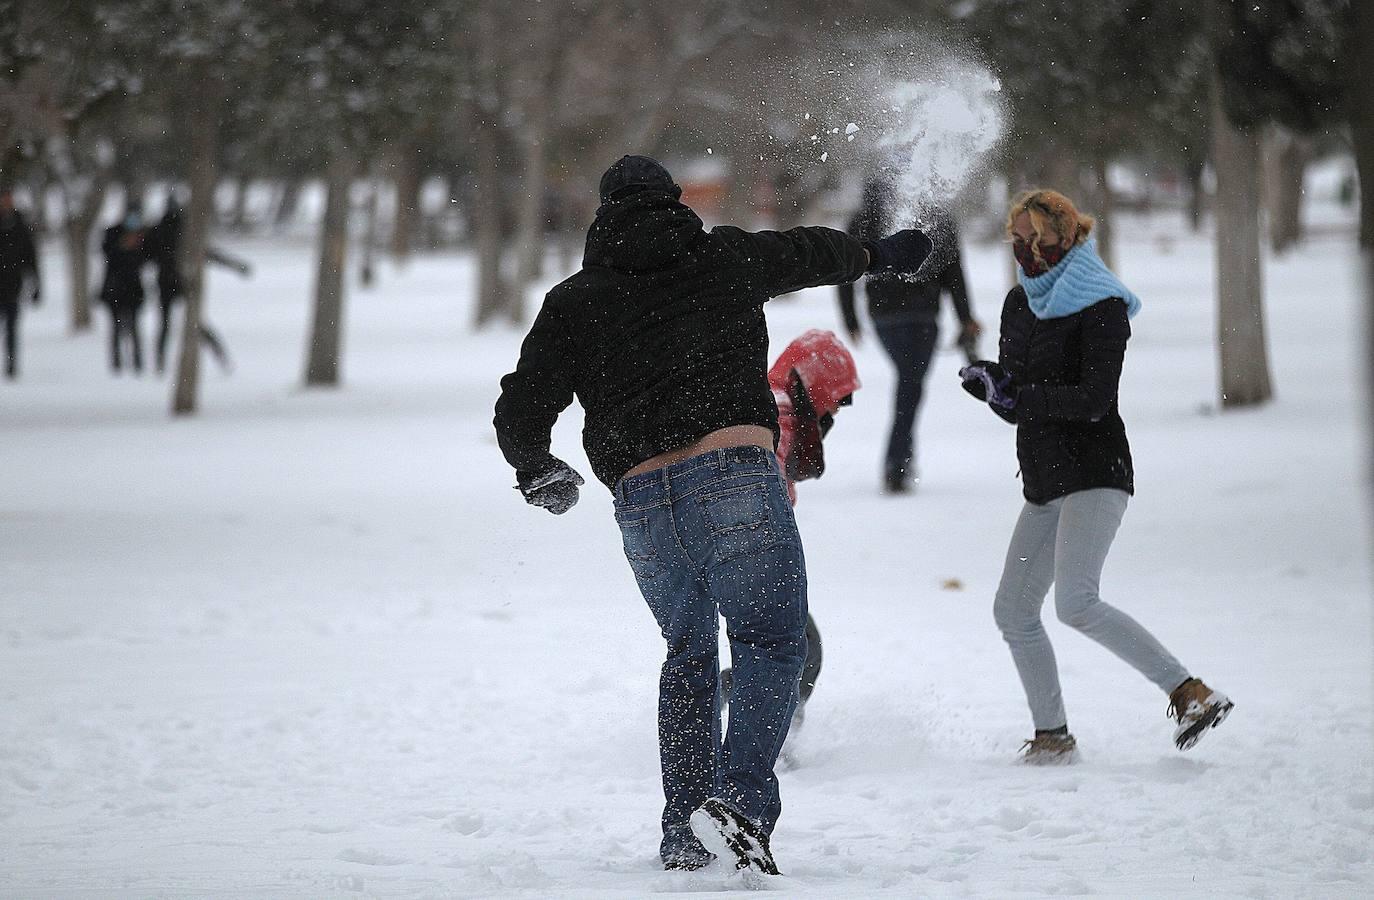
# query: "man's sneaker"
729 834
1049 749
1197 709
681 850
687 860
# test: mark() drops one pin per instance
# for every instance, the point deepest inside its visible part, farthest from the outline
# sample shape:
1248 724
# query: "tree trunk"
83 212
408 183
1285 164
531 223
494 297
287 203
326 327
367 273
1361 111
1197 198
1244 356
203 173
1106 246
238 208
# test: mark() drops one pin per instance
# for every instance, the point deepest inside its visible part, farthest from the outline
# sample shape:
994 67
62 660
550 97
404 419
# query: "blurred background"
274 623
479 128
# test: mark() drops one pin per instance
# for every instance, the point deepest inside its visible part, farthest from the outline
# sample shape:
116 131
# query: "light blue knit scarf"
1080 280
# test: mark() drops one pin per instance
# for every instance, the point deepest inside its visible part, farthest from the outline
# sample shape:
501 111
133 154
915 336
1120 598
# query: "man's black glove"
554 488
992 384
900 253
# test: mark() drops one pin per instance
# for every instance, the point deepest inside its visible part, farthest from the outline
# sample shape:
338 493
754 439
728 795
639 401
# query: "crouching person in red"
813 378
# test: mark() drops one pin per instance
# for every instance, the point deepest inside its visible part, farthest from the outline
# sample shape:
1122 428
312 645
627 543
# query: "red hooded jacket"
811 377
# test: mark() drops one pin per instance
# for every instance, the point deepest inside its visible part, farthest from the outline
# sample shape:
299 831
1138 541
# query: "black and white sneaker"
729 834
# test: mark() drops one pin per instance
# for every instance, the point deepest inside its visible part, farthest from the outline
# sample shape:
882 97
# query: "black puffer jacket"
1069 434
891 296
17 256
661 336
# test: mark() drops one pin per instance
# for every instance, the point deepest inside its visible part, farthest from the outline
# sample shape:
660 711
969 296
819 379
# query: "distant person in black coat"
18 258
906 316
1063 343
164 247
126 248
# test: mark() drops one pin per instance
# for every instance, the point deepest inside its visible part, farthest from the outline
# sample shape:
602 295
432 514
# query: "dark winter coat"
890 296
124 260
661 335
18 257
1069 434
163 245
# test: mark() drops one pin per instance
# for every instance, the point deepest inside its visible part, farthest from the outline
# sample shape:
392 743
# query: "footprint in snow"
370 858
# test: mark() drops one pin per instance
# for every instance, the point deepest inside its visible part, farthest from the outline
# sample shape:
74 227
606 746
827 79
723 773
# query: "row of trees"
512 104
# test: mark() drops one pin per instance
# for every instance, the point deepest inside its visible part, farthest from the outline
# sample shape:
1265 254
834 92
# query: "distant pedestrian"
18 260
126 250
164 245
906 316
661 337
1063 342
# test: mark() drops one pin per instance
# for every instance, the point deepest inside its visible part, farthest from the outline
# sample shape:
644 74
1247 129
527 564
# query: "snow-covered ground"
312 644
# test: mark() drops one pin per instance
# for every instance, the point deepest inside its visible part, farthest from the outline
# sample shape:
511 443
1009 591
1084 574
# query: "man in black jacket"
18 258
661 337
906 317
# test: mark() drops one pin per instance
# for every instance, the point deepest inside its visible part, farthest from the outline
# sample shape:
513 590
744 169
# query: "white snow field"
312 644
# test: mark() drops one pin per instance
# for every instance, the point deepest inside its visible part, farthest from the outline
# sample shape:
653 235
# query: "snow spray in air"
937 134
936 118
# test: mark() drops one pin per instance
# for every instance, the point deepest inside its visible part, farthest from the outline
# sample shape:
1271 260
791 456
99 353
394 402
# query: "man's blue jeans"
714 536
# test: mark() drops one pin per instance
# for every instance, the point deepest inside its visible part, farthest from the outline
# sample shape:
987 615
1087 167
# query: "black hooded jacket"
18 256
661 335
1069 433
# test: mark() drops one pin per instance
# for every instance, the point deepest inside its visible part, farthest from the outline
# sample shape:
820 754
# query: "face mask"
133 221
1051 257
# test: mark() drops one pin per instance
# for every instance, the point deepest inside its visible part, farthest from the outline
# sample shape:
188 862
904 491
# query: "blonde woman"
1063 341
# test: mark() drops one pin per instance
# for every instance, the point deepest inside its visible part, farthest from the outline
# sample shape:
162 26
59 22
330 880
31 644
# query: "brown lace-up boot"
1049 748
1197 709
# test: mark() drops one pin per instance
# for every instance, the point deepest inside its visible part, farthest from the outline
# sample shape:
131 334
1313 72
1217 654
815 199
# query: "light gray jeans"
1065 543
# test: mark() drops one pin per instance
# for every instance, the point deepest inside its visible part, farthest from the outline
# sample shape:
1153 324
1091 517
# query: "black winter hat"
639 173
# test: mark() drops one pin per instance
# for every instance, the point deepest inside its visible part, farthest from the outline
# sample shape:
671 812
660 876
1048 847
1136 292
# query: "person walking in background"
661 337
164 241
18 260
1063 342
906 316
126 248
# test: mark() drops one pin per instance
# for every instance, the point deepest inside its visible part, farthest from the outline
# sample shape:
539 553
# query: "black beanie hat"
639 173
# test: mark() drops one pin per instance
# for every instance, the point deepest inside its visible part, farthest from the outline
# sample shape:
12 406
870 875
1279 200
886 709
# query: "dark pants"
9 311
909 342
125 330
707 537
207 336
811 671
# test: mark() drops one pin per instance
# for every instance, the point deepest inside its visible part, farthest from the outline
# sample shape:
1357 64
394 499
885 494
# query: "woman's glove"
991 383
554 488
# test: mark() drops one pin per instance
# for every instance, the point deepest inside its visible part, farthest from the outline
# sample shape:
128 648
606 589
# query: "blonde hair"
1050 211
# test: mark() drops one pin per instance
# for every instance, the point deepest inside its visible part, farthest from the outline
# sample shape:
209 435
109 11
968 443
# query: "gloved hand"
989 382
554 488
902 252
